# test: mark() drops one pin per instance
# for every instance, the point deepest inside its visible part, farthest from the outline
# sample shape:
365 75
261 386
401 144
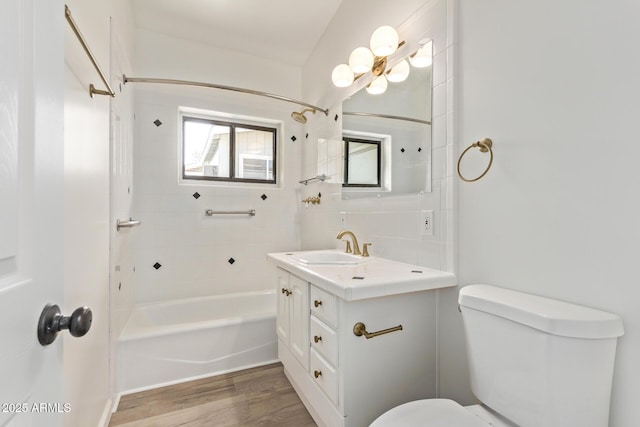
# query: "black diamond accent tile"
419 149
157 265
196 195
263 197
231 261
335 118
402 150
157 122
293 138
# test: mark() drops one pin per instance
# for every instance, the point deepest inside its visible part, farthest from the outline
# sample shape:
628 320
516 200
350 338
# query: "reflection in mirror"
361 162
400 119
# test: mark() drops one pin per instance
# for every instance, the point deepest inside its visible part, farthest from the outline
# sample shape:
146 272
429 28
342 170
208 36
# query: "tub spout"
356 248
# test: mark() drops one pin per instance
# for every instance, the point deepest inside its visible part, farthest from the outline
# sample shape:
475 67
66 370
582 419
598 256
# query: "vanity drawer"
325 375
324 340
324 306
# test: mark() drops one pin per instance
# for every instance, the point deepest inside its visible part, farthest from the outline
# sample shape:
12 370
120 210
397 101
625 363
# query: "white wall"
87 199
192 248
392 224
163 56
555 85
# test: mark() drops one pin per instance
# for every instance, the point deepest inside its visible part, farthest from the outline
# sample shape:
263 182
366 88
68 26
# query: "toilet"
533 362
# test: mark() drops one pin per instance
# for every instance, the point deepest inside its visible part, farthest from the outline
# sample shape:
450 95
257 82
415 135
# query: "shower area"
199 297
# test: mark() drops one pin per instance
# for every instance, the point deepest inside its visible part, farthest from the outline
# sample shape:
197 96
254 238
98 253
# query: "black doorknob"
52 321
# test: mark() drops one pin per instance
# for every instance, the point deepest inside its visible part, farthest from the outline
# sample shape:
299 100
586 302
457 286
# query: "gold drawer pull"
317 338
359 329
287 292
317 374
317 303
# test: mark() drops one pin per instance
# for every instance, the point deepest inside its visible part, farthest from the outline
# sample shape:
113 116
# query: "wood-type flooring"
254 397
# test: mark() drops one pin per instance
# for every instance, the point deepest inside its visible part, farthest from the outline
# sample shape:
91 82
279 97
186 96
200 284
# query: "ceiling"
285 31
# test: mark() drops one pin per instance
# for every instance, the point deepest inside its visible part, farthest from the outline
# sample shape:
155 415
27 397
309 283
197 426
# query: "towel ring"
484 145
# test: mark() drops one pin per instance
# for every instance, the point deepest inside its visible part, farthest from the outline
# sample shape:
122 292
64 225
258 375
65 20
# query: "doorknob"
52 321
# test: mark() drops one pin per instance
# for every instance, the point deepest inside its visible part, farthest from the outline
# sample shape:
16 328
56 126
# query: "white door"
31 210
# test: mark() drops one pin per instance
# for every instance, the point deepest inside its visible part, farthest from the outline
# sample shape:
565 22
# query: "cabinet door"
299 320
284 306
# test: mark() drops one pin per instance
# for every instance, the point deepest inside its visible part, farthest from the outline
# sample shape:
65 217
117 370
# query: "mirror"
388 135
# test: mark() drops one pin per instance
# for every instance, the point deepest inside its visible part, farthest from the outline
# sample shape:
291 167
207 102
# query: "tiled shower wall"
181 252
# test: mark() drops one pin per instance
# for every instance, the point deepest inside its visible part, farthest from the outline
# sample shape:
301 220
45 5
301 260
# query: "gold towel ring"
484 145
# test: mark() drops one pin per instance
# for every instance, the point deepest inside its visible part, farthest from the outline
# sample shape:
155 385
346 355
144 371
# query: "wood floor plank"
257 397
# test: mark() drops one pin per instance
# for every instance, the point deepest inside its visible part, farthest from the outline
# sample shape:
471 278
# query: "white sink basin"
328 257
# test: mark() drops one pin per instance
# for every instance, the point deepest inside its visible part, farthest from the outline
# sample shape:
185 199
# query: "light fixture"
384 42
342 76
377 85
399 72
423 57
361 60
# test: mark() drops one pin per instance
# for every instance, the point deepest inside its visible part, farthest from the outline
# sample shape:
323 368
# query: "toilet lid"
428 412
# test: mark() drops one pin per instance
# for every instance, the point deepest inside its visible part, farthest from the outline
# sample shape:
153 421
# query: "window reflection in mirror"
361 162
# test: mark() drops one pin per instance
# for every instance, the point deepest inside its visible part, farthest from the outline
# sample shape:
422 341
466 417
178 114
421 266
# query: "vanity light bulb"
422 58
361 60
399 72
342 76
384 41
377 86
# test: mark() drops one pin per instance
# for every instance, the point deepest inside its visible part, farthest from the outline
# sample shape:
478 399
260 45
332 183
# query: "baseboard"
106 414
198 377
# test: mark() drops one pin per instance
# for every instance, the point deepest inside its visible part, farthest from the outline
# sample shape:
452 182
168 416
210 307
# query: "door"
31 209
284 306
299 323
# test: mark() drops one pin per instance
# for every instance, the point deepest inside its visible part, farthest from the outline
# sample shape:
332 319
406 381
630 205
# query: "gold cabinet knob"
317 303
317 374
317 338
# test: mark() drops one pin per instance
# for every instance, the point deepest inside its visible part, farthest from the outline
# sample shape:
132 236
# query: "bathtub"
171 342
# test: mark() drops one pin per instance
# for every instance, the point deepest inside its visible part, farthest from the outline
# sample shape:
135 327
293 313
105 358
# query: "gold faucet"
356 248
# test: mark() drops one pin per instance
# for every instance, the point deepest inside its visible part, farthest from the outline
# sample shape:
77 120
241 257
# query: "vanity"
356 335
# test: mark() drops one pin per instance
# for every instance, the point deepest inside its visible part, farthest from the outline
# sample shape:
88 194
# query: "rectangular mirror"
399 121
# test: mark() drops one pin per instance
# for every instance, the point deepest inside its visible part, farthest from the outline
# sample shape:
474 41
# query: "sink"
328 257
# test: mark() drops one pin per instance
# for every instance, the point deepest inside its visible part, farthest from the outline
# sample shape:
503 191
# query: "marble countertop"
375 277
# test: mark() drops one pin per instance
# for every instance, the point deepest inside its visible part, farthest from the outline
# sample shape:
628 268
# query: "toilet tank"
537 361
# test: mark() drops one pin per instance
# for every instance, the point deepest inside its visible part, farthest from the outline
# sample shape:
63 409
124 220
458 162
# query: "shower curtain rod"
223 87
387 116
85 46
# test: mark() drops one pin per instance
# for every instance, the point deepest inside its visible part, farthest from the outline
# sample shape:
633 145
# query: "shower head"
300 117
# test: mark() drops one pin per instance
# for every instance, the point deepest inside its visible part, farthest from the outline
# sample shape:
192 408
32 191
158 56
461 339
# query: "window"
361 162
227 151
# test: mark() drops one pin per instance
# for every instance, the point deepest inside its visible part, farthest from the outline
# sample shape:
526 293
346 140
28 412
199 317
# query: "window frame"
368 140
233 125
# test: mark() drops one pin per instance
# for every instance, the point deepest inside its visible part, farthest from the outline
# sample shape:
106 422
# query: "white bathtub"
175 341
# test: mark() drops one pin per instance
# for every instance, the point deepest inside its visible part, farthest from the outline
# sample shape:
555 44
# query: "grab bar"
211 212
127 224
76 30
322 178
359 329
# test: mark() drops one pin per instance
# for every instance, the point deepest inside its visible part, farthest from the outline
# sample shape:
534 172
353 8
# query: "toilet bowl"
439 412
533 362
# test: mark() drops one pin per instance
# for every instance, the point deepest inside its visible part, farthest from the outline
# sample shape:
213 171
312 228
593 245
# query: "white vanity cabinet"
292 320
350 380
